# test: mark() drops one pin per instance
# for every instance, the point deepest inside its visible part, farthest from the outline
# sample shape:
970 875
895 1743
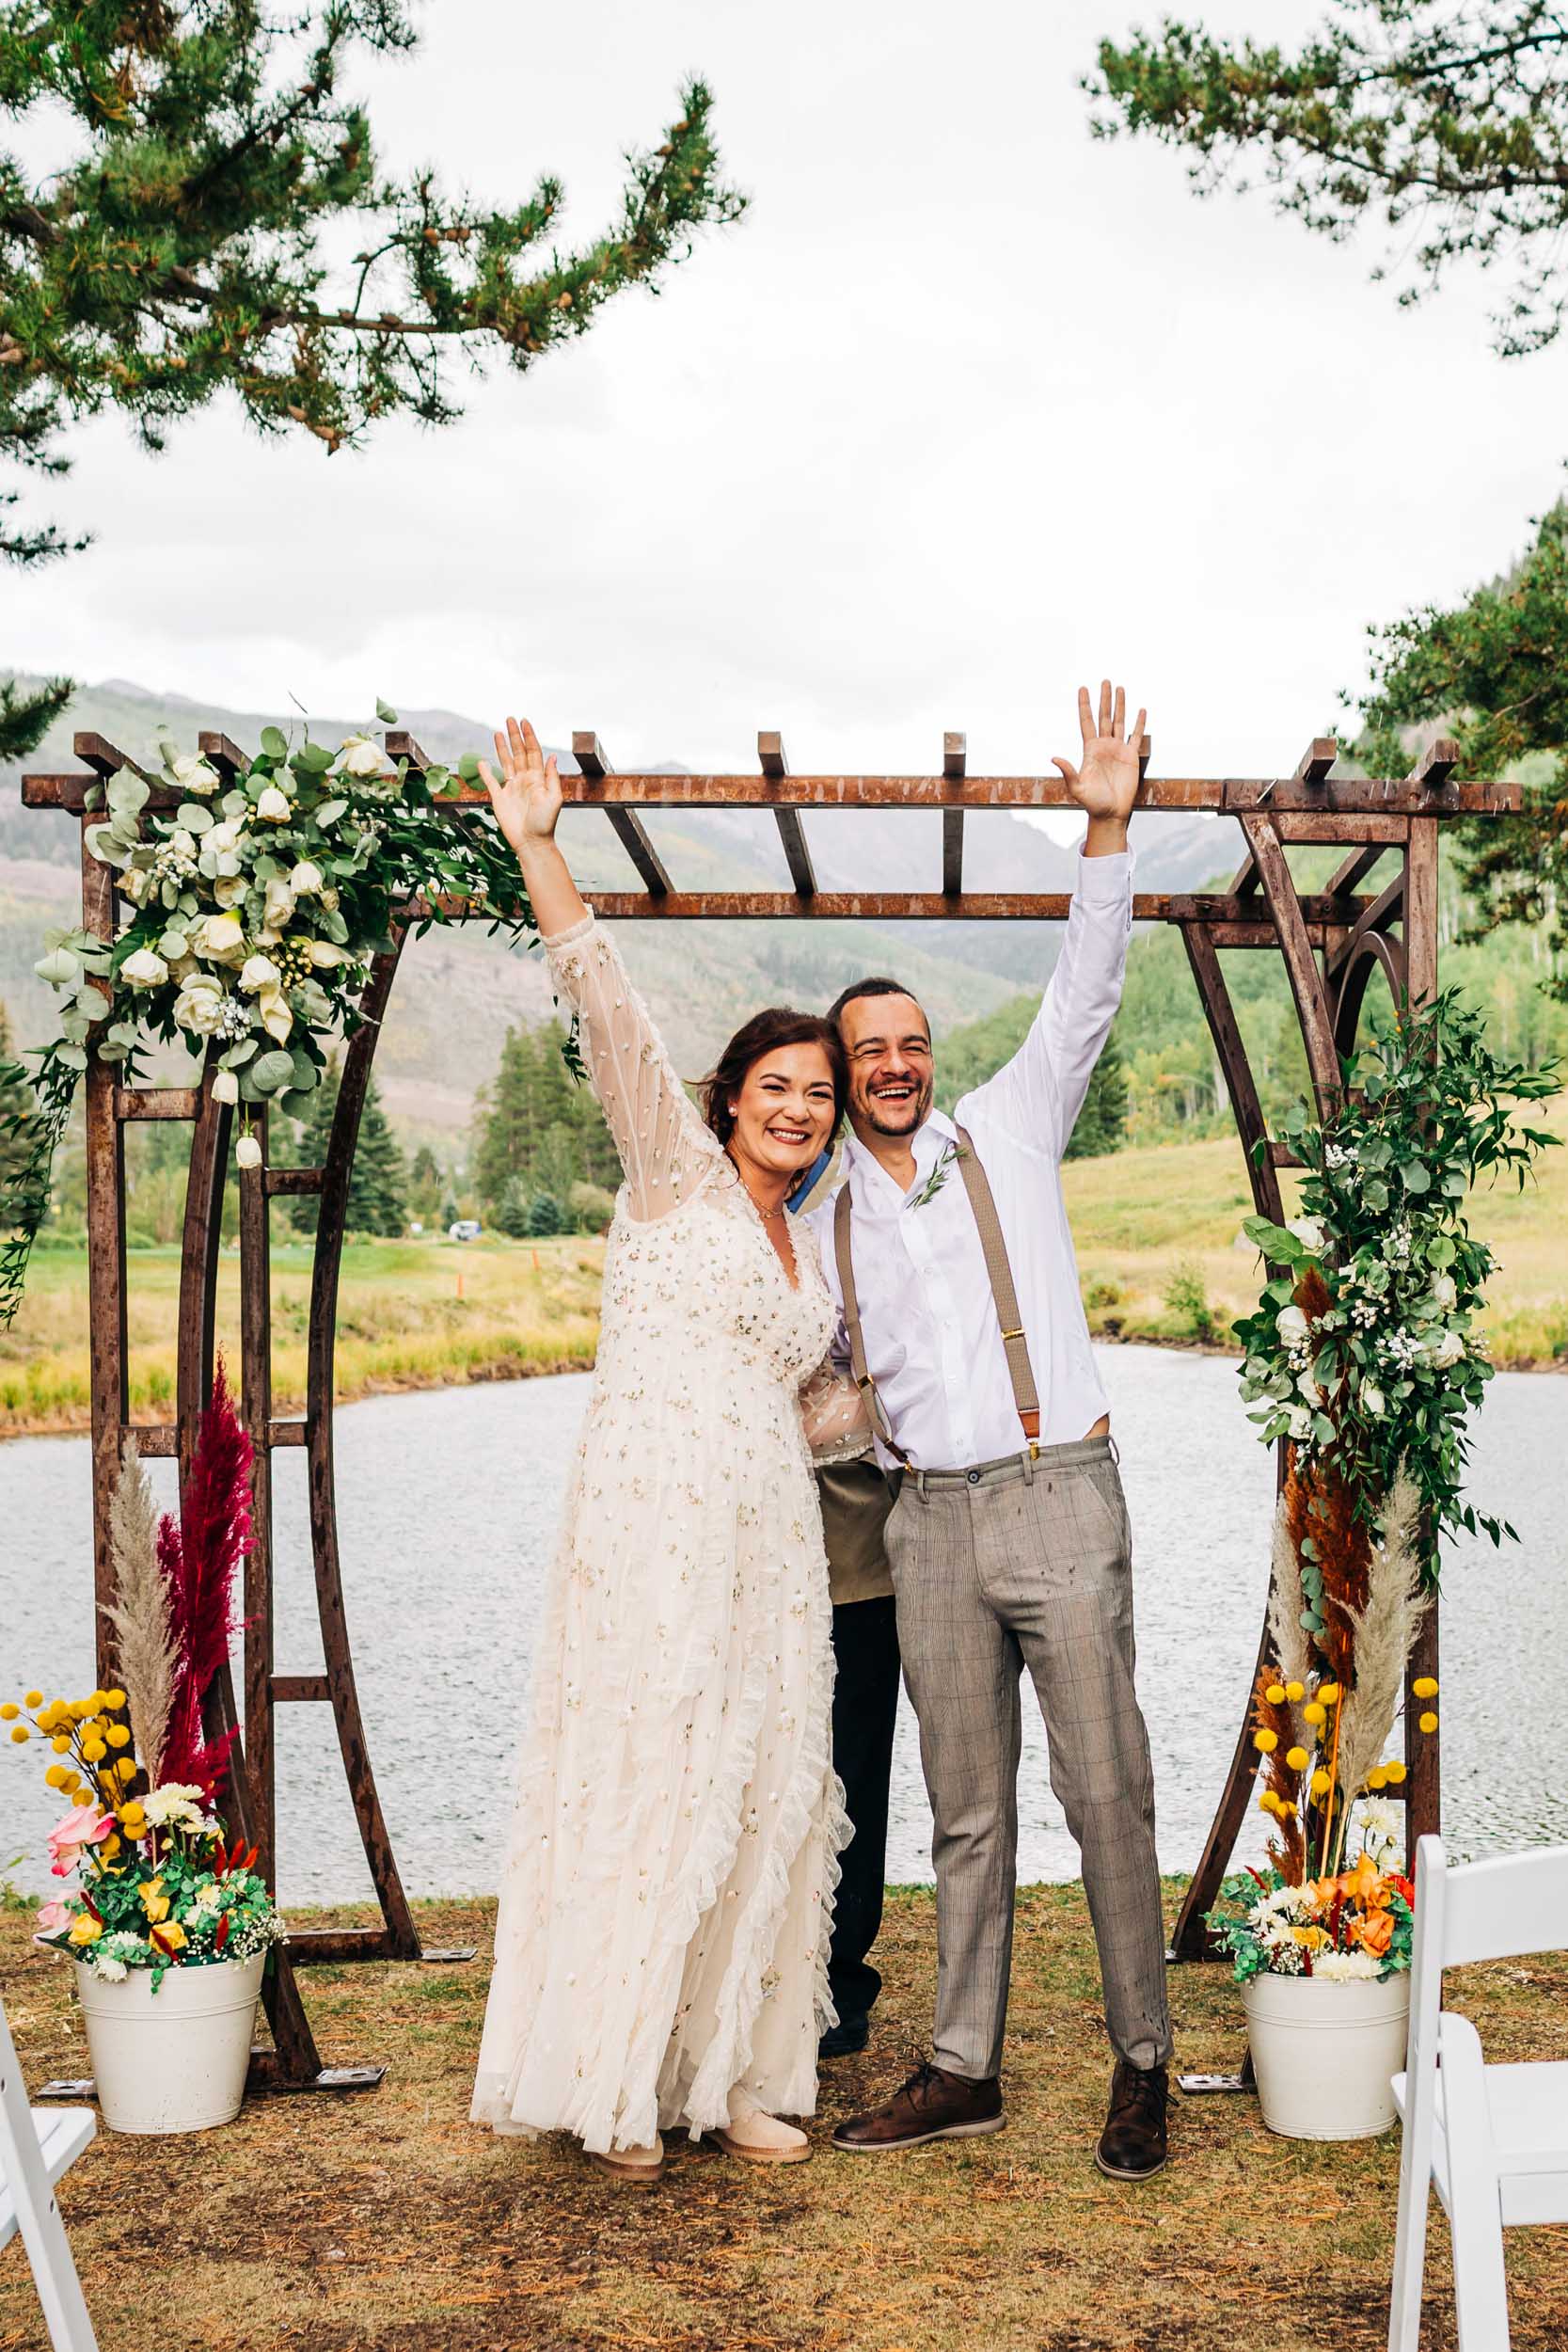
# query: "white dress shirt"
933 1344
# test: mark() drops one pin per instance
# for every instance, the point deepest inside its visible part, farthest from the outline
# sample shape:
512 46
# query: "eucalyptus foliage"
1389 1371
252 911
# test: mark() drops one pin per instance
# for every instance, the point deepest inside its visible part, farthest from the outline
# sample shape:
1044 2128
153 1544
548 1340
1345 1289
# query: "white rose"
226 1087
280 904
259 972
1291 1324
1309 1388
1372 1399
276 1017
1301 1423
220 938
132 884
200 1004
1308 1230
1444 1293
145 969
228 889
305 880
359 756
192 773
183 843
247 1152
324 953
1449 1349
273 806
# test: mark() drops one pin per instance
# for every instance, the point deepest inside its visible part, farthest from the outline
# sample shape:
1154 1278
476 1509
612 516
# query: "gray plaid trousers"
1019 1564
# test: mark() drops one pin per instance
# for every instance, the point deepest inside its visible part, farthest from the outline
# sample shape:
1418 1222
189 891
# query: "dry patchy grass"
385 2223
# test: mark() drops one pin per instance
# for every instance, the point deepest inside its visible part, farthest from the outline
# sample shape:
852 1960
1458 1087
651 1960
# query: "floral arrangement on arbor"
158 1885
250 911
1364 1355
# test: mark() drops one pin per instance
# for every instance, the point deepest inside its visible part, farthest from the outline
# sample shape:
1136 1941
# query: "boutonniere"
948 1160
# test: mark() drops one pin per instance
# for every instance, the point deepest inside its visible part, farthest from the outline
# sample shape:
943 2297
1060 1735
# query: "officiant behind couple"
666 1918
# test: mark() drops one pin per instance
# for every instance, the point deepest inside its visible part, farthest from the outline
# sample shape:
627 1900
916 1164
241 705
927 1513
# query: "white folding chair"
1493 2140
36 2145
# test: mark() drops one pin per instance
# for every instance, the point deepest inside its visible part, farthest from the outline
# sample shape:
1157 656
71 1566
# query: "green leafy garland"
1375 1365
253 909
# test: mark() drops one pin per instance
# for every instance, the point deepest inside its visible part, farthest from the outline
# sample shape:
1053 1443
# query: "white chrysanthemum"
1346 1967
113 1971
176 1804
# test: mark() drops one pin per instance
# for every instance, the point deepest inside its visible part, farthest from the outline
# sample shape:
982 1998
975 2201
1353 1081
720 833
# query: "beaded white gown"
666 1897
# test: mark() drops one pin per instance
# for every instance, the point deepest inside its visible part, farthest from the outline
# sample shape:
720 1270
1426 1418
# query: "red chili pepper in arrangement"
220 1935
220 1859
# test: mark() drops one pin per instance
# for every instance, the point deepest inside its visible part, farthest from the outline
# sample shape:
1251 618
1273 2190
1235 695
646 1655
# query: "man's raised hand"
1106 783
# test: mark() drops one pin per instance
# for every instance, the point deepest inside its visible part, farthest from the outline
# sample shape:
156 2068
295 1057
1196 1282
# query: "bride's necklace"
766 1213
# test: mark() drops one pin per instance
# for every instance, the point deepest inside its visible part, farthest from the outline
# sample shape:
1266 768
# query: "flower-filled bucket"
1325 2052
174 2060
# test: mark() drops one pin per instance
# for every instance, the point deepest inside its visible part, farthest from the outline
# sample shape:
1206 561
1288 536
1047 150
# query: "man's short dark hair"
869 988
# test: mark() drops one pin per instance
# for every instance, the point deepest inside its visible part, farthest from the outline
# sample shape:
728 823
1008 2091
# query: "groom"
949 1248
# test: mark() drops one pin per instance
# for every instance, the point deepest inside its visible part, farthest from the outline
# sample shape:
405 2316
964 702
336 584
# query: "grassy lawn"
1157 1232
386 2222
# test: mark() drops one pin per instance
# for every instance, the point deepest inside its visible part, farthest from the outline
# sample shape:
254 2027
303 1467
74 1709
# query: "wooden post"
1422 1749
106 1338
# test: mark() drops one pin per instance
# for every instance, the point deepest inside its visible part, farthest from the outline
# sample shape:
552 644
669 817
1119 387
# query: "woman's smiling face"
783 1112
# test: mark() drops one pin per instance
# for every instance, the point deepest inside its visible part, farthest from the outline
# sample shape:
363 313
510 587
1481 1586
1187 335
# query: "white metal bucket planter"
1325 2053
174 2060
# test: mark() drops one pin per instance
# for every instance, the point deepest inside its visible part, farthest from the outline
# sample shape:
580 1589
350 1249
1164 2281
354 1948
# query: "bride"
667 1899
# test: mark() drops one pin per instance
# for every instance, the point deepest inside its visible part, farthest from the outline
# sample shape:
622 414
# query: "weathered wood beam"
292 1180
104 759
1290 920
1354 872
1312 767
222 753
772 760
402 745
1244 925
136 1103
955 759
595 773
1374 914
1232 796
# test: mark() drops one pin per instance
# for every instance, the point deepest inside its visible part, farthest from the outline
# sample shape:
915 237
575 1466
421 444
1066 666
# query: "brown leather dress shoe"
1132 2145
932 2104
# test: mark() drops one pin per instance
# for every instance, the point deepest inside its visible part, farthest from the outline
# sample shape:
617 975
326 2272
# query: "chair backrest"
20 2166
1480 1911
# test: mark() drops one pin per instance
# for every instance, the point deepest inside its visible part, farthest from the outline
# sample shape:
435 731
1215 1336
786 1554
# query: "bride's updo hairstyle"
766 1032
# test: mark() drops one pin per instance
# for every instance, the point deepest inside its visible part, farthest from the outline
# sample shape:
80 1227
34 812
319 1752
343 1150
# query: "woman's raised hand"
526 795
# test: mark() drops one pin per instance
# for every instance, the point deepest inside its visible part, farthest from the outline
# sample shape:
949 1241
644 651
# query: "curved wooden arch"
1331 942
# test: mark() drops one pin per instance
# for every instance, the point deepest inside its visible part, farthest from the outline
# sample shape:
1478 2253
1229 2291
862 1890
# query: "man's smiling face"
891 1069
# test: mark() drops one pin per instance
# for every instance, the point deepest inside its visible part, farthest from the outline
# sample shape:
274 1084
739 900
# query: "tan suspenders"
1015 1345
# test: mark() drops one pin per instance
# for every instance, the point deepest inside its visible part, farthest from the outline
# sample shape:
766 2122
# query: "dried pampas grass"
1383 1633
146 1655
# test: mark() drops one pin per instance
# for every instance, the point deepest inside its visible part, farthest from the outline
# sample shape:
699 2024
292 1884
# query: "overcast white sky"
967 407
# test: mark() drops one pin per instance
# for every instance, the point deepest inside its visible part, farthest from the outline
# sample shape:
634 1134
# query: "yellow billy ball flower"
1267 1800
62 1743
118 1736
126 1768
1313 1713
1321 1784
1428 1721
21 1733
1294 1691
1425 1686
113 1699
54 1776
109 1847
1329 1693
1296 1758
33 1699
1275 1694
1378 1776
9 1713
1393 1771
1265 1741
93 1750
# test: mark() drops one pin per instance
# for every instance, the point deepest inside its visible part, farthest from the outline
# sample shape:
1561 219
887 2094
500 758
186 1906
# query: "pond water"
447 1504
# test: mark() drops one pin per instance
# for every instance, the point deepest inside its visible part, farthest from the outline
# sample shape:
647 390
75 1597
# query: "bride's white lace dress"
668 1890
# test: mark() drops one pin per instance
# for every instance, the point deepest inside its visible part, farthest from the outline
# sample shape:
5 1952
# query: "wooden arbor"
1332 941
